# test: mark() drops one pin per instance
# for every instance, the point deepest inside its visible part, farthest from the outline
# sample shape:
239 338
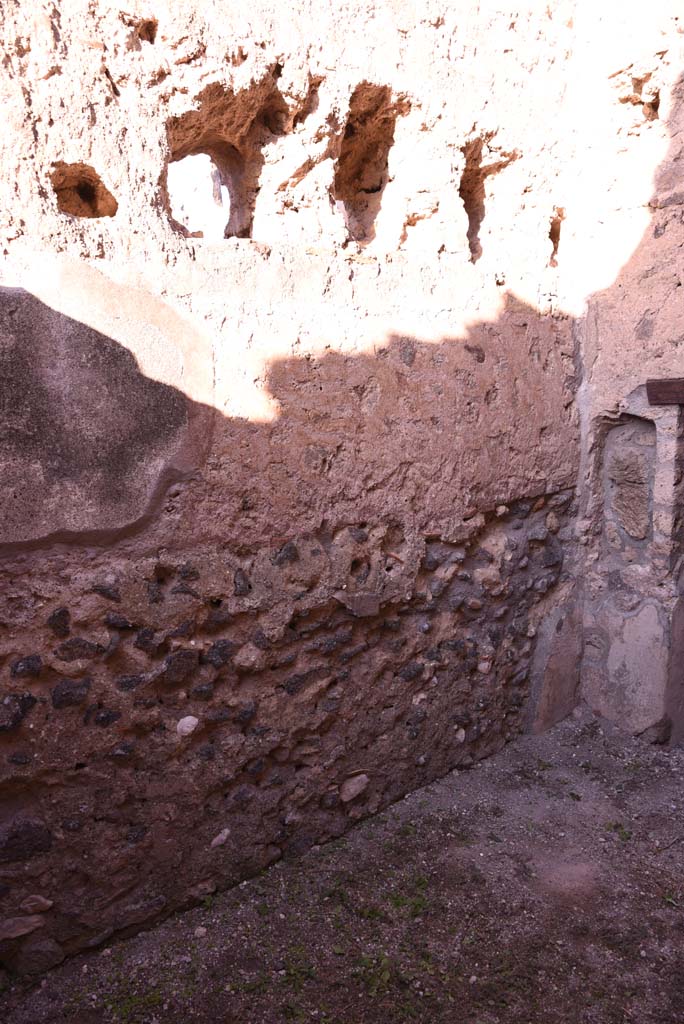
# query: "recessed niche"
231 129
555 234
361 171
472 188
81 192
199 197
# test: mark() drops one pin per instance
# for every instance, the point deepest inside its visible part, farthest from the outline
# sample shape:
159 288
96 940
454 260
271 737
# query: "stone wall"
289 521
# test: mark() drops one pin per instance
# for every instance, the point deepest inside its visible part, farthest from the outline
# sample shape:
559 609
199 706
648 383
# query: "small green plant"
129 1008
375 973
298 969
619 829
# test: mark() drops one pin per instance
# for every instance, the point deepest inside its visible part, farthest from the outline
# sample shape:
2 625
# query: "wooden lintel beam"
665 392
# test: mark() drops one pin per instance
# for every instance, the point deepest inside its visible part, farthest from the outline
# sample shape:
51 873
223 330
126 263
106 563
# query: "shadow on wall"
347 606
86 440
89 443
334 608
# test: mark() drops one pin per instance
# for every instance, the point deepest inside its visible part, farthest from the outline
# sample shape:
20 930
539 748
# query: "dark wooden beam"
665 392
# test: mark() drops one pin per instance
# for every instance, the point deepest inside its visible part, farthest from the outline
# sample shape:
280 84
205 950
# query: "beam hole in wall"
143 30
199 198
472 186
146 30
81 192
555 233
361 171
231 130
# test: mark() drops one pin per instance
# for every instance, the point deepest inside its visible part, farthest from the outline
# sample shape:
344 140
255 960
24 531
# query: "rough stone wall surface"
288 515
631 480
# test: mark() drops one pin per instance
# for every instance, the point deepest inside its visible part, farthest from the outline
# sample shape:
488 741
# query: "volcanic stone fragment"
69 693
220 653
78 648
27 668
59 622
23 838
13 710
241 584
179 665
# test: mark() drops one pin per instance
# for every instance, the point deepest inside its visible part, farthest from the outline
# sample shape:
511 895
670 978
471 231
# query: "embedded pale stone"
187 725
15 927
220 839
353 787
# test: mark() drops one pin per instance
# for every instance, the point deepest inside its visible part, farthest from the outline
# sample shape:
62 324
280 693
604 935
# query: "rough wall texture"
288 514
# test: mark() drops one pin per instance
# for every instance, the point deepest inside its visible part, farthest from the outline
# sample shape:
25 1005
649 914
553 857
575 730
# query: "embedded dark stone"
412 670
183 631
243 796
206 752
520 509
19 758
147 641
218 715
69 693
260 640
116 621
105 718
76 648
296 682
14 709
241 584
418 716
59 622
72 825
288 554
112 646
27 668
219 654
327 644
358 534
155 594
205 691
330 800
112 593
183 588
179 665
123 751
437 585
188 572
127 683
217 619
282 660
246 713
22 839
136 834
477 352
553 554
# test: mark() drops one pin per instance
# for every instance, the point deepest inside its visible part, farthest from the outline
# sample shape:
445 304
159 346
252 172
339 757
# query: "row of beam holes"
212 186
213 175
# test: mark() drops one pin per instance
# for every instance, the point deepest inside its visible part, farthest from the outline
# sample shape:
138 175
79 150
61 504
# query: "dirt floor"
544 886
